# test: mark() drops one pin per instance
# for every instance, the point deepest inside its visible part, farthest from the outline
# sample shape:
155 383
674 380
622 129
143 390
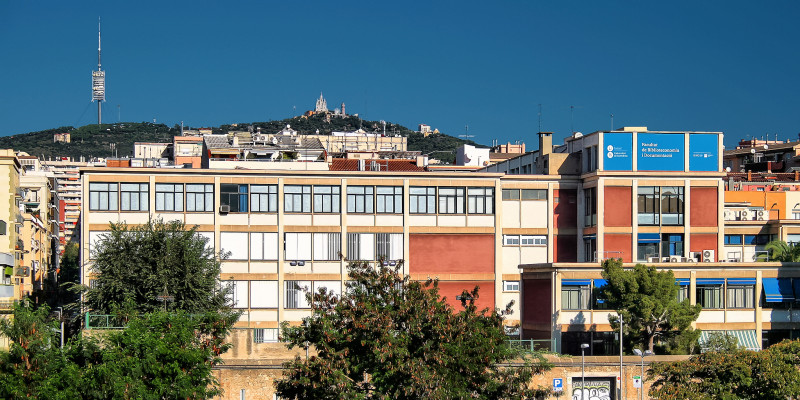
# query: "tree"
778 250
721 342
647 301
736 374
390 338
139 263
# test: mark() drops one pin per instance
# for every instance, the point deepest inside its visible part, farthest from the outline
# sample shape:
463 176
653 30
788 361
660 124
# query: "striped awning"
747 339
683 281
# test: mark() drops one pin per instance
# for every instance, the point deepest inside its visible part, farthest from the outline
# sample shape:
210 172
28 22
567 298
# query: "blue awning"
777 290
575 282
683 281
649 238
598 283
589 237
710 281
741 281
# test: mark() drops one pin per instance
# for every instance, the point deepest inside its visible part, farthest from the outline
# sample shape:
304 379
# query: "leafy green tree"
647 301
721 342
736 374
390 338
778 250
139 262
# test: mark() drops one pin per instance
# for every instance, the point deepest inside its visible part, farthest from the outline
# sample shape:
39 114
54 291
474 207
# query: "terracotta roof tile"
343 164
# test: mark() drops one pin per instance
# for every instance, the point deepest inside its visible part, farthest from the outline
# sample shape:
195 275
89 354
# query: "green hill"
101 140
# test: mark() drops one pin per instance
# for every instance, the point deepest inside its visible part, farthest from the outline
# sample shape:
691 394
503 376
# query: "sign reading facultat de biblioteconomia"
660 152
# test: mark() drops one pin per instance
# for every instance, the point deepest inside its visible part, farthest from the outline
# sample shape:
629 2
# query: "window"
263 245
756 240
327 246
263 294
683 292
534 194
169 197
733 240
422 200
510 240
480 200
533 240
660 205
451 200
672 205
3 228
234 196
103 196
298 246
389 246
740 296
709 296
575 297
511 286
334 287
672 245
589 206
264 198
646 250
510 194
297 199
361 246
134 196
93 284
264 335
360 199
199 197
326 199
235 243
296 294
238 294
389 199
647 199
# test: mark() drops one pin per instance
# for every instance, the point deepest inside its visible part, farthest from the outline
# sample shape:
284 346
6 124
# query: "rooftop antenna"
466 134
571 120
540 117
99 80
612 122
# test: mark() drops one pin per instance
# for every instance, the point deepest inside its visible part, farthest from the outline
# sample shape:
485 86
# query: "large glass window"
361 246
660 205
709 296
590 206
263 246
534 194
234 196
740 296
672 245
264 198
327 246
672 205
103 196
199 197
360 199
510 194
264 294
451 200
297 246
169 197
733 239
297 199
238 295
389 199
389 246
647 199
134 196
480 200
422 200
326 199
575 297
296 294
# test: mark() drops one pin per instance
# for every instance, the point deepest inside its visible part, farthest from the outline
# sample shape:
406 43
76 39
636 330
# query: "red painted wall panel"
452 289
704 241
620 243
618 209
703 204
537 301
451 254
565 212
566 248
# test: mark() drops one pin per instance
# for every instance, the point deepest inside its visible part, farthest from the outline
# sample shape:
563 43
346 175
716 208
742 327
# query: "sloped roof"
343 164
216 141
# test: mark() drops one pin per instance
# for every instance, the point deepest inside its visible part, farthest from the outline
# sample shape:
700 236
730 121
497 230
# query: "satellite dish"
577 135
766 147
753 151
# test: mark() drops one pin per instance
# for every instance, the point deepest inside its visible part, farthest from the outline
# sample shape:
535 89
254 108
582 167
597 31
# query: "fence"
533 344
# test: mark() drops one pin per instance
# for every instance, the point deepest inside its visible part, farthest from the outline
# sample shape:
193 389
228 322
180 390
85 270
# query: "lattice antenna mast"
99 80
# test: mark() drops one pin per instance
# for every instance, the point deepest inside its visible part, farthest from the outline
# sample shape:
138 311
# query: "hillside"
100 141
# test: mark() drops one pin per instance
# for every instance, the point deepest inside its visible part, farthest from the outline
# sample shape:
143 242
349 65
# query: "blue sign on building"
618 151
703 152
558 384
660 152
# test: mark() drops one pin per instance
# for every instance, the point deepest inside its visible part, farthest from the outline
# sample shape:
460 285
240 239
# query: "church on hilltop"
321 107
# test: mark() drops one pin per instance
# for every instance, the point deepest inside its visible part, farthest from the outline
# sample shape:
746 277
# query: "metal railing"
533 344
102 321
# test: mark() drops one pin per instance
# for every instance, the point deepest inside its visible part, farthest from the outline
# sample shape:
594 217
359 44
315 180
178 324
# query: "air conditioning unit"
675 259
708 255
761 215
744 215
224 209
694 256
728 215
654 259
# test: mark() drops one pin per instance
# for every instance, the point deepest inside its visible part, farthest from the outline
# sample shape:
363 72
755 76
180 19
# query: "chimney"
545 143
422 161
362 165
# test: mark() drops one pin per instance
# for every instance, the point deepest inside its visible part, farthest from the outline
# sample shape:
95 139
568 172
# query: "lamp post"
621 377
584 346
642 355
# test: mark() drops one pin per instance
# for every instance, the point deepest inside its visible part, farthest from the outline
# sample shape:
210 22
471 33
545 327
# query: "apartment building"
11 284
40 225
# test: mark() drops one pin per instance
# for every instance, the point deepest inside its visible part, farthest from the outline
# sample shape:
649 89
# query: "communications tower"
98 80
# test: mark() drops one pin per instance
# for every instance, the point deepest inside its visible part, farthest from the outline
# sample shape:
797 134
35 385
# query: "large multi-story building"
12 285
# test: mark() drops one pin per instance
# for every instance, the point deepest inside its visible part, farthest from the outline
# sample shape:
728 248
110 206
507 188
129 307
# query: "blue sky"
731 66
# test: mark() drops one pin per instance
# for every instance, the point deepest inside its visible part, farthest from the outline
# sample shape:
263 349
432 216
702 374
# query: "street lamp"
584 346
642 355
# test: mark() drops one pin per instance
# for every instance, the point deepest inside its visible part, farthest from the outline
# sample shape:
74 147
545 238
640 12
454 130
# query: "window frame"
392 197
331 193
744 301
582 293
302 198
174 196
360 199
451 203
238 200
426 199
701 293
96 197
480 200
269 197
195 196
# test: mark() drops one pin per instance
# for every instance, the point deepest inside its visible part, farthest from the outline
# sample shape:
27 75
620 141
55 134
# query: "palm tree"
778 250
